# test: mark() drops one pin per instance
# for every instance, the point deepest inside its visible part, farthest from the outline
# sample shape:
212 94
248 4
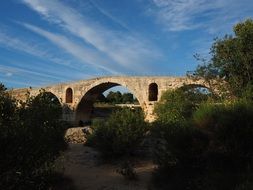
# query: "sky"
44 42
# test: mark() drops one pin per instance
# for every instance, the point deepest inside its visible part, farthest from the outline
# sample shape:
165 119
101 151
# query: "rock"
76 134
87 130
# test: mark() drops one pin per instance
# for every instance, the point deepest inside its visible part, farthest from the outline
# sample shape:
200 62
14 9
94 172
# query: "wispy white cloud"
11 82
109 15
40 68
10 71
180 15
8 74
30 76
86 55
24 77
124 49
47 55
30 48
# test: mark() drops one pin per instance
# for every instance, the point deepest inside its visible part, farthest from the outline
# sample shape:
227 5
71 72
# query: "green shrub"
120 135
231 126
42 111
179 140
179 144
179 155
212 150
178 105
173 107
31 138
206 146
230 153
247 93
7 109
127 170
207 115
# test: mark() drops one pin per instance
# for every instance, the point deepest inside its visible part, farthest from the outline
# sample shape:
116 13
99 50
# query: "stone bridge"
77 98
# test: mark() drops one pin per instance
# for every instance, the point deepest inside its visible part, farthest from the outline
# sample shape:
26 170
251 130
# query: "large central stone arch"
84 107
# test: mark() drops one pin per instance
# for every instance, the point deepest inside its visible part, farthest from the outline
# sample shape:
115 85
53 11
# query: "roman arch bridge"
77 98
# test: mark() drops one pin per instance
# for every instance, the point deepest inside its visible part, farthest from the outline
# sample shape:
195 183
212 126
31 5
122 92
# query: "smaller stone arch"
153 92
69 95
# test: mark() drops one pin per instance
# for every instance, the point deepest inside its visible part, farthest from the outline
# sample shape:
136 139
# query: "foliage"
120 134
127 98
173 107
179 148
118 98
207 114
45 109
127 170
229 154
247 94
231 59
210 148
31 138
180 143
178 105
179 153
114 97
231 129
7 108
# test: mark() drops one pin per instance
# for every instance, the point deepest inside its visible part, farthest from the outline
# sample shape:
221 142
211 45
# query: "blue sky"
50 41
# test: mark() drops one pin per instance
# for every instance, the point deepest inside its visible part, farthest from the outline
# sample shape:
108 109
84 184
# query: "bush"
7 108
206 146
179 151
247 93
42 111
179 154
120 135
178 105
179 144
211 150
173 107
126 169
231 127
230 154
31 138
208 113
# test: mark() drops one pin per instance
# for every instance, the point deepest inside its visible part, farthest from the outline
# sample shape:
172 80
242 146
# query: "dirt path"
82 168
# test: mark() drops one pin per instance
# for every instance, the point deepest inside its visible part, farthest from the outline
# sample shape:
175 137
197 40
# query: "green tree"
119 135
127 98
177 105
44 109
7 108
31 138
114 97
231 59
179 145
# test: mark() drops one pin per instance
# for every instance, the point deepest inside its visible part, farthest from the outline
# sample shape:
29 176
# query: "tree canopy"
119 98
31 138
231 60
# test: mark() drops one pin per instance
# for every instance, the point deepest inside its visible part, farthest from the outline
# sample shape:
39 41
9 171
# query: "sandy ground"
83 170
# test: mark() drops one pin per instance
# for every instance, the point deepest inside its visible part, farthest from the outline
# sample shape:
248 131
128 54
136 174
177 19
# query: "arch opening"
153 92
48 97
198 92
52 104
99 102
69 95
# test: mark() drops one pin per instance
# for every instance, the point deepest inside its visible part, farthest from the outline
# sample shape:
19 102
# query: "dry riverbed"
84 170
